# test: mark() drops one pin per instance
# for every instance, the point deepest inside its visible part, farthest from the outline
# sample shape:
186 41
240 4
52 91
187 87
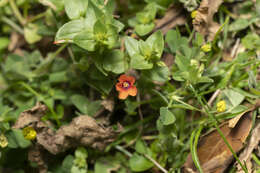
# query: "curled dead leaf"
245 156
213 153
203 22
36 154
82 131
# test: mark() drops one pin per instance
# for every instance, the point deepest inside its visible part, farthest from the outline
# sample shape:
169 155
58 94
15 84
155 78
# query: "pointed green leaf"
76 8
166 116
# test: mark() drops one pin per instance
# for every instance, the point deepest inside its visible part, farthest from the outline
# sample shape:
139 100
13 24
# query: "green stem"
39 97
59 50
17 12
38 16
218 129
30 89
254 157
12 24
127 153
193 147
72 55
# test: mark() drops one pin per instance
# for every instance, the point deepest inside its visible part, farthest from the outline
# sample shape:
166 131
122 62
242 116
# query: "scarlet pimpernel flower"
29 133
126 87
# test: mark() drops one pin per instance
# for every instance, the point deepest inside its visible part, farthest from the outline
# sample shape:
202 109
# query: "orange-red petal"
132 91
119 87
123 95
124 78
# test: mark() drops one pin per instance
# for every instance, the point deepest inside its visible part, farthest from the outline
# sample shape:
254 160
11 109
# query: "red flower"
126 87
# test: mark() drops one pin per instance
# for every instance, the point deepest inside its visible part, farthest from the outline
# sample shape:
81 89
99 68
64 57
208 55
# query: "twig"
149 137
105 2
213 97
235 49
156 163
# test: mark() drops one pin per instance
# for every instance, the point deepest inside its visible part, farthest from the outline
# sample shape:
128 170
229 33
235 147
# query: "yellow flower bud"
194 14
3 141
29 133
221 106
206 48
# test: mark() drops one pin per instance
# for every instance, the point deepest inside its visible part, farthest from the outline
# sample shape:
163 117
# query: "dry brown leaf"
168 59
173 17
108 104
203 22
213 153
16 41
253 143
36 154
82 131
232 122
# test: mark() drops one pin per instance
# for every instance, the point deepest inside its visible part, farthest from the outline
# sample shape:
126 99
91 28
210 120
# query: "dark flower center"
126 84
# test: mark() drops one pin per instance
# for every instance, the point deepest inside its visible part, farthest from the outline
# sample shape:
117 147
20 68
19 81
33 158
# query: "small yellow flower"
29 133
3 141
194 14
221 106
206 48
133 35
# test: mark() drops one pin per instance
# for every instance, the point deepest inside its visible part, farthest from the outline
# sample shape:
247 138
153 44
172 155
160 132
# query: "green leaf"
84 105
69 30
108 165
234 97
138 62
4 41
175 41
76 8
166 116
239 24
114 61
130 107
99 81
205 79
81 152
91 16
156 42
100 28
30 33
144 29
140 147
80 102
58 77
85 40
182 62
16 139
139 163
16 68
251 41
67 163
158 73
117 24
112 37
131 45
